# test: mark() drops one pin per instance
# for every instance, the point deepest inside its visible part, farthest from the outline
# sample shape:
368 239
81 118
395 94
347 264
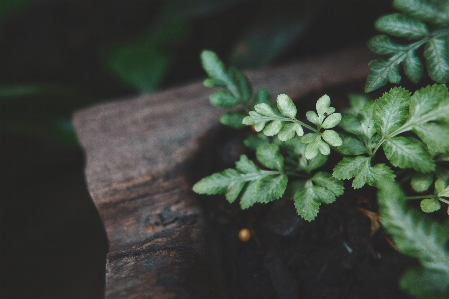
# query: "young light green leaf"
430 205
400 25
265 109
272 128
286 106
309 137
287 132
331 121
299 130
332 137
413 67
313 118
383 45
223 99
323 104
434 12
421 182
270 156
391 110
233 119
408 153
313 148
436 52
322 146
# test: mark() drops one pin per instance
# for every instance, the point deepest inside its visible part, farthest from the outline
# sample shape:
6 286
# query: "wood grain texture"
138 155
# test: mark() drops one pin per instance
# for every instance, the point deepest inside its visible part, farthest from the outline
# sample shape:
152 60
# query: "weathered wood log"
138 152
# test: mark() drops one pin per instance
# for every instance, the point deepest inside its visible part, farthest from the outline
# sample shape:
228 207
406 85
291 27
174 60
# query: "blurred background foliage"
57 56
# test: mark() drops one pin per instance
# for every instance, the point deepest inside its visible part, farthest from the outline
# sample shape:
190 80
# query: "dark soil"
340 254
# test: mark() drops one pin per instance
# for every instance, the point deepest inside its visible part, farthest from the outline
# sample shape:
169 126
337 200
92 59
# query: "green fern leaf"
408 153
434 12
233 119
217 71
400 25
413 67
270 156
322 188
436 52
421 182
361 170
391 110
420 237
383 45
383 71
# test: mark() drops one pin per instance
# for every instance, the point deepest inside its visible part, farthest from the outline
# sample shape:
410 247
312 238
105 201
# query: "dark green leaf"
436 52
383 45
413 67
273 29
421 182
254 141
400 25
233 119
144 63
414 233
223 99
262 96
423 283
217 71
351 145
245 165
327 181
434 12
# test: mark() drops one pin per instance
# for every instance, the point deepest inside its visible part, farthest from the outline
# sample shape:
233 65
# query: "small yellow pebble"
244 235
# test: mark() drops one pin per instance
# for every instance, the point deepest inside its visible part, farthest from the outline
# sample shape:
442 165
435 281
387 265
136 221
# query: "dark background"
58 56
